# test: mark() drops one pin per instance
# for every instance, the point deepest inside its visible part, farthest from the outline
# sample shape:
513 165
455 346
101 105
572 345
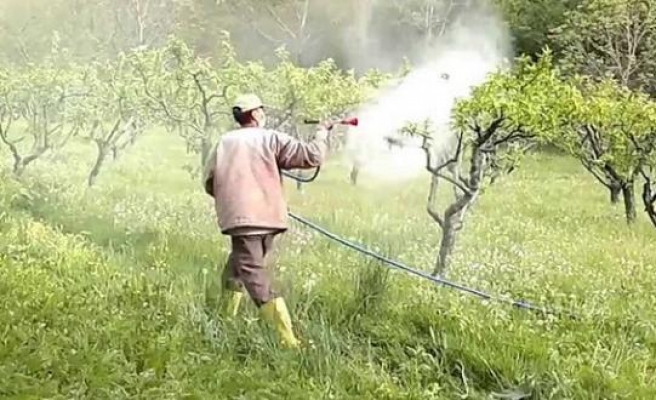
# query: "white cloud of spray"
477 44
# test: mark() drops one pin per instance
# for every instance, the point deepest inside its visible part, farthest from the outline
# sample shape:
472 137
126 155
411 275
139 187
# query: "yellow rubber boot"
234 299
276 313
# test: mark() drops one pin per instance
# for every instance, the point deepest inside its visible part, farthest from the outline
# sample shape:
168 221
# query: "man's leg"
250 257
232 286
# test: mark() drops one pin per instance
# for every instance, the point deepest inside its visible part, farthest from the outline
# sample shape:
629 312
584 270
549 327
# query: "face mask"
261 118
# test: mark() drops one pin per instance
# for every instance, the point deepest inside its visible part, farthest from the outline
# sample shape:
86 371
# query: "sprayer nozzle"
350 121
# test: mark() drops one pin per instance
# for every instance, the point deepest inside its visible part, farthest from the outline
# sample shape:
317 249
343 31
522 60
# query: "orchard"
541 189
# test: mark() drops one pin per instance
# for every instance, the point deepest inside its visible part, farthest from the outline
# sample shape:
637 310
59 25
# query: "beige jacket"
243 176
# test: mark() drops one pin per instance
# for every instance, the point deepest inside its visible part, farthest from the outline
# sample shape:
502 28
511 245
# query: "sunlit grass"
109 292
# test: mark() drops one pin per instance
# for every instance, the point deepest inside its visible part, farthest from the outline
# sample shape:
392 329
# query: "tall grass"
112 292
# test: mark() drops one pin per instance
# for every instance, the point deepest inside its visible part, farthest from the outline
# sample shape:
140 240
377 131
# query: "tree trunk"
205 149
615 192
648 200
97 166
447 244
17 167
628 193
355 171
20 163
454 215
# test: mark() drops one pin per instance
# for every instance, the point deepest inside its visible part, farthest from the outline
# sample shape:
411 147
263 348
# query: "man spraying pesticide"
243 174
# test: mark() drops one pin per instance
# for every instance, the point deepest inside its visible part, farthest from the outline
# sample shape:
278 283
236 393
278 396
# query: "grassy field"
110 292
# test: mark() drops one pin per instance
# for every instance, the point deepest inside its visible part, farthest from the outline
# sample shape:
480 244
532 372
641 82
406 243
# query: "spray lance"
353 121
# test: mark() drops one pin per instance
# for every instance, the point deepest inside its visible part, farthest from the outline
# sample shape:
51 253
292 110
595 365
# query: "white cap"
248 102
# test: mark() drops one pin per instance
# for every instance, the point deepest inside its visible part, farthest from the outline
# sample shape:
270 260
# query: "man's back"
243 174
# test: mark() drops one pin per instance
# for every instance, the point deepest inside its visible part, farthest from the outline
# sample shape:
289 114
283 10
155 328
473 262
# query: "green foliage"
610 38
115 98
523 95
532 21
596 121
44 99
111 103
600 123
183 91
114 113
319 92
194 96
506 115
46 106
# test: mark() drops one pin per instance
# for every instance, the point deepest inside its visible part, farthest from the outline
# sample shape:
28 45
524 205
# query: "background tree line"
312 30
